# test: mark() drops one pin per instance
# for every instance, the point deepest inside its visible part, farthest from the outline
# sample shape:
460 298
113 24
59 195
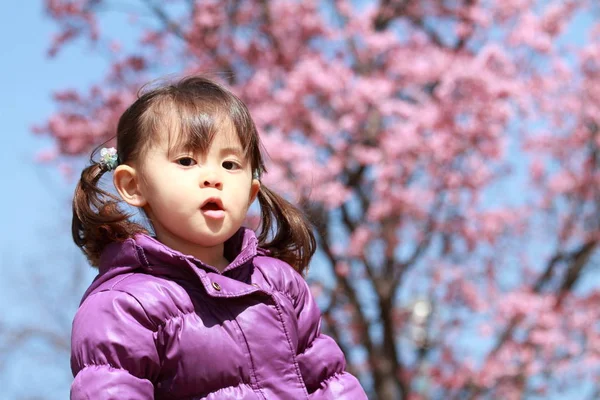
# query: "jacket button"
216 286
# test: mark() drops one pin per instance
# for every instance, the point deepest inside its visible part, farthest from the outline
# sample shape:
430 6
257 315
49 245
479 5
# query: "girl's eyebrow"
182 147
236 151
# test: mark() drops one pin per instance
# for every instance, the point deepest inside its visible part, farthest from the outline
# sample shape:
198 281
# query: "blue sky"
35 236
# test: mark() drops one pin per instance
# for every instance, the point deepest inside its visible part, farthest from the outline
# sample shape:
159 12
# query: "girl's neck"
212 255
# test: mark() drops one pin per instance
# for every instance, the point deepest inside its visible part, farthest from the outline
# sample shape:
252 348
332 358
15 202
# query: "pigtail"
97 219
292 238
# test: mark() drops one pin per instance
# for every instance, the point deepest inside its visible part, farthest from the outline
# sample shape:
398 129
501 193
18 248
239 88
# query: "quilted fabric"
157 324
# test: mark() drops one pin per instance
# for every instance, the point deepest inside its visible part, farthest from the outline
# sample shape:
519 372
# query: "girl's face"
198 199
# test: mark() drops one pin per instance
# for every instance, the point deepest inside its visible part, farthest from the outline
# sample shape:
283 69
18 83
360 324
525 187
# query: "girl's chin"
212 239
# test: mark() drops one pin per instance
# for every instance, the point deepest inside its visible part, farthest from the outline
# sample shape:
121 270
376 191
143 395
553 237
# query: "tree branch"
333 329
578 260
162 15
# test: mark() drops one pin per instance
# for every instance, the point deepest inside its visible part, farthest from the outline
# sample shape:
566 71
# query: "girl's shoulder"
159 298
278 275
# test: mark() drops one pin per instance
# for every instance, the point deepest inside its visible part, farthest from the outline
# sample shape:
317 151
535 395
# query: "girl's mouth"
213 210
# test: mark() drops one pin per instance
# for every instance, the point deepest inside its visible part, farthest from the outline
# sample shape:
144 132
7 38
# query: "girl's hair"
195 106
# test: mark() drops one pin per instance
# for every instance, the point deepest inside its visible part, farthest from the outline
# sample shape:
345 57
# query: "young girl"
203 308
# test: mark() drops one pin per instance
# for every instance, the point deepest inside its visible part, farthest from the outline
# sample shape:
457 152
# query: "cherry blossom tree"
447 151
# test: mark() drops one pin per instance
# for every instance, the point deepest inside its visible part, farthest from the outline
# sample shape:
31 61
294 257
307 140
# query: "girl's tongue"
211 206
212 210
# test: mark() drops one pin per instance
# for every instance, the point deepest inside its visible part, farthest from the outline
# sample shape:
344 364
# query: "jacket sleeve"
321 361
113 350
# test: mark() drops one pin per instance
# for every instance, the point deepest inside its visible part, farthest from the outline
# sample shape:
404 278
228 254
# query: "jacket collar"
145 253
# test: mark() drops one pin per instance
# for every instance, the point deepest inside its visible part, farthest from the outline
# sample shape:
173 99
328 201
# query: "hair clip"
108 158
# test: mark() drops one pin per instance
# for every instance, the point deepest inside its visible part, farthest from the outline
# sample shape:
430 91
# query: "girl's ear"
126 181
254 188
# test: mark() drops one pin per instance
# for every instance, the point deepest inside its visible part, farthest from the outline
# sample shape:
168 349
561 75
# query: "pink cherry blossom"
451 147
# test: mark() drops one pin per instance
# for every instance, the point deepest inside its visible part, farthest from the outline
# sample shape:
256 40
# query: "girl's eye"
231 165
186 161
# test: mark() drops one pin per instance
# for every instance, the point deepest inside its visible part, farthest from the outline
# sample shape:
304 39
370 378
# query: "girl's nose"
212 183
212 180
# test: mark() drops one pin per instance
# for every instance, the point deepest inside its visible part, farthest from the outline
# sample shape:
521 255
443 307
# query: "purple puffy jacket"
159 324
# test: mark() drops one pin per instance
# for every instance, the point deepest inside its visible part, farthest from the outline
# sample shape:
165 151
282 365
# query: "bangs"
190 124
